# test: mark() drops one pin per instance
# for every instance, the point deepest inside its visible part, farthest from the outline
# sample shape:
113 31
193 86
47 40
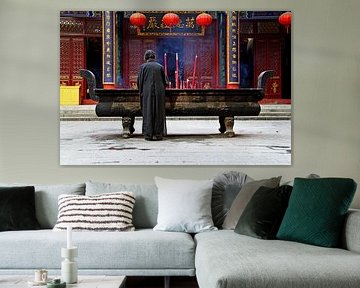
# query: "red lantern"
138 19
171 19
285 20
204 19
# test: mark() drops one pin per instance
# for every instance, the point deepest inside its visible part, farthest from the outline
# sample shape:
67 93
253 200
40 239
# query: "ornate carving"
246 27
267 27
78 54
65 57
80 26
71 26
93 27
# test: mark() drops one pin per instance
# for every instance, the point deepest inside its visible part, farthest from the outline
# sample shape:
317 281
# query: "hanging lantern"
285 20
171 19
138 19
204 19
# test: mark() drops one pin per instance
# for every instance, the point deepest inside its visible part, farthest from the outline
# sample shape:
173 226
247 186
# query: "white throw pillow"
184 205
105 212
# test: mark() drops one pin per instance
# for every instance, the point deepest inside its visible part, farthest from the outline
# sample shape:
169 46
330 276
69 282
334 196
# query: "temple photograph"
223 86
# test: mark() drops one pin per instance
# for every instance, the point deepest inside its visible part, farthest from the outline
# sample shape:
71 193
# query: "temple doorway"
94 58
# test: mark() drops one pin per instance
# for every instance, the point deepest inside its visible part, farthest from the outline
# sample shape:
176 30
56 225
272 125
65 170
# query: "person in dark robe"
151 84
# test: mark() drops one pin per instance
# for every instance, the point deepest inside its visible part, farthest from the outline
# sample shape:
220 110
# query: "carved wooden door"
72 58
135 57
267 56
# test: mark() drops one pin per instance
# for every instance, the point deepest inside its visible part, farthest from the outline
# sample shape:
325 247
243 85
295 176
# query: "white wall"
326 91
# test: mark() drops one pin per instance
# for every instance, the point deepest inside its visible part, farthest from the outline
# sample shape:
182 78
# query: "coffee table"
84 281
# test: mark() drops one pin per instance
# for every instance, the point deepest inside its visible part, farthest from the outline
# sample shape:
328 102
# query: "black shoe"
148 139
157 138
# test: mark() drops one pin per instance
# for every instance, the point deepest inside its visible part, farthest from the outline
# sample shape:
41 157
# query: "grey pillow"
310 176
226 187
243 198
184 205
46 200
146 204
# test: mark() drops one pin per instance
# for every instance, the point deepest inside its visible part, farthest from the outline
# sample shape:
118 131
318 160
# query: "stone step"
276 108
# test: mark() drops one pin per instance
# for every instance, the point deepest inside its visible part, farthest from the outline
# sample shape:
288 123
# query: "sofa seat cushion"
141 250
225 259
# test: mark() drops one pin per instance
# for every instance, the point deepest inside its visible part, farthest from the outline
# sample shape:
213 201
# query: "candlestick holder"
69 272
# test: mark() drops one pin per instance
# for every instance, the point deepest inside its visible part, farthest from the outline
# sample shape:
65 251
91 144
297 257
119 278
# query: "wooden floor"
158 282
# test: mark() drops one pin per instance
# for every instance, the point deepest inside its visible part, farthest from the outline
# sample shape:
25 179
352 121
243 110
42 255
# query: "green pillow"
316 211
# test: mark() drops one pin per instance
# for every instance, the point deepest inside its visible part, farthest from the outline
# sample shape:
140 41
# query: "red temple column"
108 37
232 50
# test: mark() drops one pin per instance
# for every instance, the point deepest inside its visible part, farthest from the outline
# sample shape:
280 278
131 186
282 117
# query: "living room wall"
325 92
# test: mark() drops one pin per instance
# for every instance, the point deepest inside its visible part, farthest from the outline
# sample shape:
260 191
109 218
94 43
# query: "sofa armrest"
351 232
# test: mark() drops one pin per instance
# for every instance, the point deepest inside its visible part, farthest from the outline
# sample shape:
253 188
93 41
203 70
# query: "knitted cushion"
316 211
105 212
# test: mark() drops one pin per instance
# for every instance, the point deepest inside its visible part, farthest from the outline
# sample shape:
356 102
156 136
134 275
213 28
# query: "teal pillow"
316 211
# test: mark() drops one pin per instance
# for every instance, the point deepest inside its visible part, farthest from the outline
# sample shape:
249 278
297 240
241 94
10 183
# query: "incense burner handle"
263 77
91 82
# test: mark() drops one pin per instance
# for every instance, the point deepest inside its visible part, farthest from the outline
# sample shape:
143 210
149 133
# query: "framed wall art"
175 88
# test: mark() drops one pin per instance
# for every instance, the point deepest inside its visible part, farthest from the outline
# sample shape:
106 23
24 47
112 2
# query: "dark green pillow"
264 212
316 211
17 208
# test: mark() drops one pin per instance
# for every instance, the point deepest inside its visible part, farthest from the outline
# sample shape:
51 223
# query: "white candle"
69 237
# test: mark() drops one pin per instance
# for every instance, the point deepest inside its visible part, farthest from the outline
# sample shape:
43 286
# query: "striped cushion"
105 212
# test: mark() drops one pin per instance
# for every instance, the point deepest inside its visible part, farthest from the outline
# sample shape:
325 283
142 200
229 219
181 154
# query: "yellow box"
69 95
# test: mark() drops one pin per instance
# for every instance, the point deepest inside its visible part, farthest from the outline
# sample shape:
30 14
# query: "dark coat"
151 84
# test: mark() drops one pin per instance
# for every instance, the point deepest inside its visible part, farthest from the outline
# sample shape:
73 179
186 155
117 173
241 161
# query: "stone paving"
189 142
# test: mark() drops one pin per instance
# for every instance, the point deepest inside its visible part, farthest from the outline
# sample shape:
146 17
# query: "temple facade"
228 53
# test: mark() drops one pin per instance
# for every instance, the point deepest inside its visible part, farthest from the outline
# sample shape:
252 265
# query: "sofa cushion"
263 214
184 205
17 208
142 250
351 236
317 209
105 212
46 200
225 259
226 187
244 196
146 205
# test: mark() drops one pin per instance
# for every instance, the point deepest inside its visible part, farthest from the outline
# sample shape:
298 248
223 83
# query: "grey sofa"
217 259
